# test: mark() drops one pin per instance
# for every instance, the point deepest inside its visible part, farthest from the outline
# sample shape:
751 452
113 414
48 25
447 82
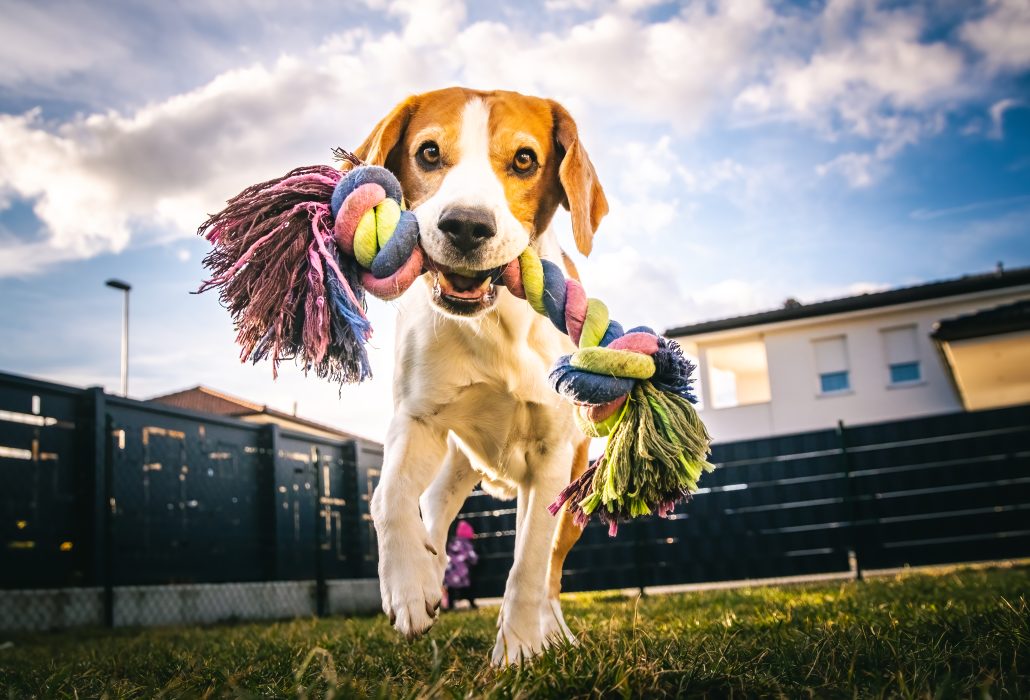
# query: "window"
904 372
902 354
833 381
737 374
831 364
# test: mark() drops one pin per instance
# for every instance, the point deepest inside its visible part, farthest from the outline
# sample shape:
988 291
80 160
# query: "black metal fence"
947 488
99 493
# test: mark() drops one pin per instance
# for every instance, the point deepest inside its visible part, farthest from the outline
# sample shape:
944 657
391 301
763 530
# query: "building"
932 348
205 400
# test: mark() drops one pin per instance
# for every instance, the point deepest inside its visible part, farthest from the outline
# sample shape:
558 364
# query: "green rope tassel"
655 454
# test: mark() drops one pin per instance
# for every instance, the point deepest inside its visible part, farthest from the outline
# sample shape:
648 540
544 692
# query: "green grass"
951 633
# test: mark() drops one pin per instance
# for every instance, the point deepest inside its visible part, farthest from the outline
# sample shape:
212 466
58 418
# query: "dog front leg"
552 621
519 634
407 557
444 498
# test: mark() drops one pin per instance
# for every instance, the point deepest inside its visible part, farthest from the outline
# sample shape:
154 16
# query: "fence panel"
947 488
132 512
46 531
187 494
943 488
368 465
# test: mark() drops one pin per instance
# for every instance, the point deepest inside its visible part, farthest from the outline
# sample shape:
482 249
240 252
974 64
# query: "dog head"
484 173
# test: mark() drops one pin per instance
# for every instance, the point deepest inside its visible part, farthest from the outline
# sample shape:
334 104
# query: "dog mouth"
465 292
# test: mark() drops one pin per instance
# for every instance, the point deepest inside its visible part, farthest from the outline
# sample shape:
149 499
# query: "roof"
967 284
206 400
1008 318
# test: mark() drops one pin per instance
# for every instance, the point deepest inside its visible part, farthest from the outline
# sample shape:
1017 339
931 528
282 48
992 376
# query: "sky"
751 151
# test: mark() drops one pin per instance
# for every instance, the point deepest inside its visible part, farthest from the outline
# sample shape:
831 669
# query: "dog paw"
518 635
552 624
410 586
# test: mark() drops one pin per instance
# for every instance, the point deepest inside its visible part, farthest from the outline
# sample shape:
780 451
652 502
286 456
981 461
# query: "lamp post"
125 287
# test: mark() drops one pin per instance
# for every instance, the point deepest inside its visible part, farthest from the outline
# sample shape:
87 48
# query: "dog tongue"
455 285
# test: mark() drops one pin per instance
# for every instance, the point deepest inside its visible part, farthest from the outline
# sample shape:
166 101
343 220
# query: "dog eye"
429 155
524 161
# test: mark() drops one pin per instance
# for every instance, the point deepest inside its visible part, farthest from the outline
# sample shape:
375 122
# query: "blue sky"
751 151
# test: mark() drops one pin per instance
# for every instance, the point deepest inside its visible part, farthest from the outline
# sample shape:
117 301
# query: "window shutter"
831 355
900 345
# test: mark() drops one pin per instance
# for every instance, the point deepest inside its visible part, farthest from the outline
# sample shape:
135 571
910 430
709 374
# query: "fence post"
108 519
99 456
269 532
850 501
321 591
351 517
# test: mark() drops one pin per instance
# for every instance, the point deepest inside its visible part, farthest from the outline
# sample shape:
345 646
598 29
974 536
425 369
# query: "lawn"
947 633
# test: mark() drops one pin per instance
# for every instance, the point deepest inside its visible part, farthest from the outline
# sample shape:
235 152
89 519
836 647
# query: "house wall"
796 404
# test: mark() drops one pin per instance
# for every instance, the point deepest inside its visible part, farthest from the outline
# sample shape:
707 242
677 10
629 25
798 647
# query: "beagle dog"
484 173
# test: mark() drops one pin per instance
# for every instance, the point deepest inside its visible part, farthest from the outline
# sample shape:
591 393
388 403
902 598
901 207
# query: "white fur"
472 402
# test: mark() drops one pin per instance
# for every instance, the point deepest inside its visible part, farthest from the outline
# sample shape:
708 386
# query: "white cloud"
57 48
167 164
1002 35
643 191
97 180
871 76
645 289
886 64
654 195
997 113
427 22
865 168
567 5
163 166
88 56
672 72
859 169
642 288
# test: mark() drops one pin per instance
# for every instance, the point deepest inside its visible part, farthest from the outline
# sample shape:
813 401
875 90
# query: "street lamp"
124 286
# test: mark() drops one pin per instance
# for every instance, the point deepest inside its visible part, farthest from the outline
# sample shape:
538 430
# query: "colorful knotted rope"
298 295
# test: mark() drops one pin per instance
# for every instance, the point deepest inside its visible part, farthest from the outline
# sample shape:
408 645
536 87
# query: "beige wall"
796 404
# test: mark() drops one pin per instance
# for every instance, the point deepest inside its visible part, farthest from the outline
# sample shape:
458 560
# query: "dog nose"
467 227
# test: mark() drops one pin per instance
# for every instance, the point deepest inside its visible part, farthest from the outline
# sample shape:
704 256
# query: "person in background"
461 557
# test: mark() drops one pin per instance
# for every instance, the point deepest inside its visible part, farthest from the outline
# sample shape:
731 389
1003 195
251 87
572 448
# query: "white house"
931 348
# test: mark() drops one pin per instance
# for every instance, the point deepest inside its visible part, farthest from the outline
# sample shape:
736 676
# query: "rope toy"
293 258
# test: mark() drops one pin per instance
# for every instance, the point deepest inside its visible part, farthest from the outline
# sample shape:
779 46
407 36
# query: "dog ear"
582 193
380 147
